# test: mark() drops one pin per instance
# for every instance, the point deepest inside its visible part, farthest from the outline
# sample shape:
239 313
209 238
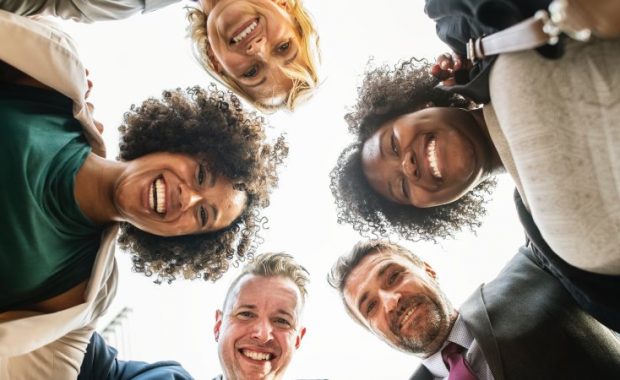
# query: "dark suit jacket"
459 20
100 363
529 327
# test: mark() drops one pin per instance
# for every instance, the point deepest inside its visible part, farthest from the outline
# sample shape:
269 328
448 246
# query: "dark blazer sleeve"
597 294
421 373
100 363
458 21
536 329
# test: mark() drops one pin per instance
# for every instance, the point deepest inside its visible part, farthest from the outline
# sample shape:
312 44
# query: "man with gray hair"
259 327
522 325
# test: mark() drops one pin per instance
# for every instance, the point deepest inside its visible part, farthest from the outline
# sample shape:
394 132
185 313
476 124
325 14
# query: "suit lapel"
475 316
422 373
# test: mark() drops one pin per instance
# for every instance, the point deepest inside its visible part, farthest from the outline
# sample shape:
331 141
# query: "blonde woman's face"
251 41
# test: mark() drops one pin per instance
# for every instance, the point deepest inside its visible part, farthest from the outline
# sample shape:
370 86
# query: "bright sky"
137 58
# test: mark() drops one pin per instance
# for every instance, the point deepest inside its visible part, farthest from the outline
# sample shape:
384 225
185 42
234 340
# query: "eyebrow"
215 212
364 296
213 180
287 62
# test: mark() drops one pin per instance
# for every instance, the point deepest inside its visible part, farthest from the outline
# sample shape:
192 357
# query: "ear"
213 60
218 324
299 337
283 4
430 271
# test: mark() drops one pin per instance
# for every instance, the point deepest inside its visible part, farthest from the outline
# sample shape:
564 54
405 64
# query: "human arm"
101 362
84 11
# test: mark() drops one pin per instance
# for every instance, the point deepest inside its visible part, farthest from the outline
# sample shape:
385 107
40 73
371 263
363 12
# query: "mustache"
404 304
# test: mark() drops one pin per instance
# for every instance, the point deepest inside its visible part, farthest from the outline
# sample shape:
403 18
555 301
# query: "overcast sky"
137 58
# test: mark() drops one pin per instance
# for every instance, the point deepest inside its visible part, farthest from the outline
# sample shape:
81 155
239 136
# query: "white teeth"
157 196
236 39
256 355
407 314
431 154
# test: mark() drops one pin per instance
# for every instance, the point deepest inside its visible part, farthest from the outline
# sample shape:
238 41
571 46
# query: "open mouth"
406 316
431 156
157 198
254 355
245 31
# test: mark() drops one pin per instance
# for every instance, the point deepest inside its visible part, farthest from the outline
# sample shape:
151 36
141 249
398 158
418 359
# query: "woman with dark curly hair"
195 171
399 176
422 166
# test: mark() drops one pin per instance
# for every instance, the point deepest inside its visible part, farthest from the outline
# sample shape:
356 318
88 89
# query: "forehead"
376 168
365 275
266 294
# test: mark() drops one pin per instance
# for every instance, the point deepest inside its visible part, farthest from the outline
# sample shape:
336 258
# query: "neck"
495 165
94 188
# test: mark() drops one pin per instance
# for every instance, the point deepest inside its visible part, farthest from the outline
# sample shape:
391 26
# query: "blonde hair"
278 264
303 72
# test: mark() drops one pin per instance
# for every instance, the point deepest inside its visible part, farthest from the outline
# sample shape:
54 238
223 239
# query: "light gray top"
559 122
84 10
473 355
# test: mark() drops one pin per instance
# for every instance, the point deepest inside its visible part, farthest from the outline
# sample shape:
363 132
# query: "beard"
429 327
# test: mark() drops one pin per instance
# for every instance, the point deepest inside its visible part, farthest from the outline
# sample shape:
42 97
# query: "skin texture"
119 191
381 291
396 162
197 200
257 321
255 63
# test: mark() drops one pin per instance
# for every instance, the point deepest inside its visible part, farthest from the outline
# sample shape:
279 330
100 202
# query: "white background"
137 58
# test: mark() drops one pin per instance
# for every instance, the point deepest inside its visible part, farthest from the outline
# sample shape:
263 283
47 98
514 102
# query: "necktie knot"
452 356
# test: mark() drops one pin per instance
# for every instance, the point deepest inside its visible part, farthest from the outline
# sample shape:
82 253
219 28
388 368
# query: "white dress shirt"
473 354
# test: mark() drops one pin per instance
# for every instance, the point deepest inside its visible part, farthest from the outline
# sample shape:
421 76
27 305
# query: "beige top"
556 124
52 346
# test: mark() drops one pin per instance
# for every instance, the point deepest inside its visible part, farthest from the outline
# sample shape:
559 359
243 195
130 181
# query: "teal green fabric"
47 245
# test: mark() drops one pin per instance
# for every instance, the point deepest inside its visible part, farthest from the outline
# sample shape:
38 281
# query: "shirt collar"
459 335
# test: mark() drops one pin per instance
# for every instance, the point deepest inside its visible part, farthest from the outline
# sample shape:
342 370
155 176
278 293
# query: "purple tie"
453 357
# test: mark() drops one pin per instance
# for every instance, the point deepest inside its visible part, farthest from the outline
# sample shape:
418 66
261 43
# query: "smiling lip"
157 195
430 155
245 32
254 355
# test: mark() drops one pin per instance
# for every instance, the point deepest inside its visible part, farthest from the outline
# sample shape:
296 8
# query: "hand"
89 83
91 110
446 65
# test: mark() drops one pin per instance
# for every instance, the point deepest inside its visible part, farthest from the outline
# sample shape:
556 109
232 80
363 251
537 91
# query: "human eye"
203 216
202 173
283 48
394 144
282 322
245 315
404 187
393 277
370 307
251 72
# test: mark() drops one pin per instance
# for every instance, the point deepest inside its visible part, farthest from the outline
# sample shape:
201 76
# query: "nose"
189 197
409 166
389 299
262 331
257 46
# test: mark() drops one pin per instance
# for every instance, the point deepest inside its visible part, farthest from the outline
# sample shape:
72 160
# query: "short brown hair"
341 270
277 264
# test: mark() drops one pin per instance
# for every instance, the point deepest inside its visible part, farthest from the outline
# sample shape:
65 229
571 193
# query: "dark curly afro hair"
386 93
206 124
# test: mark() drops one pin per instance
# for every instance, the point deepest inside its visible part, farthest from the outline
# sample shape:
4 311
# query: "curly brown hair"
386 93
206 124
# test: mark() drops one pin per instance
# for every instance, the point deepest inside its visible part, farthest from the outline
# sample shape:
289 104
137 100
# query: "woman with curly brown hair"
422 166
195 171
378 187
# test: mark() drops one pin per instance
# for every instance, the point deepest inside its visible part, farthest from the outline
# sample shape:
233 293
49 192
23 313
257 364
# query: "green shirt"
47 245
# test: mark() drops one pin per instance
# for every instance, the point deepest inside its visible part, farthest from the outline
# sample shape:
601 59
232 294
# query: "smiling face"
170 194
259 330
399 302
251 41
427 158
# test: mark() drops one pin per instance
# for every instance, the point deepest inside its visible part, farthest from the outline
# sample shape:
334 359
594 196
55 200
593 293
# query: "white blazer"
52 346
